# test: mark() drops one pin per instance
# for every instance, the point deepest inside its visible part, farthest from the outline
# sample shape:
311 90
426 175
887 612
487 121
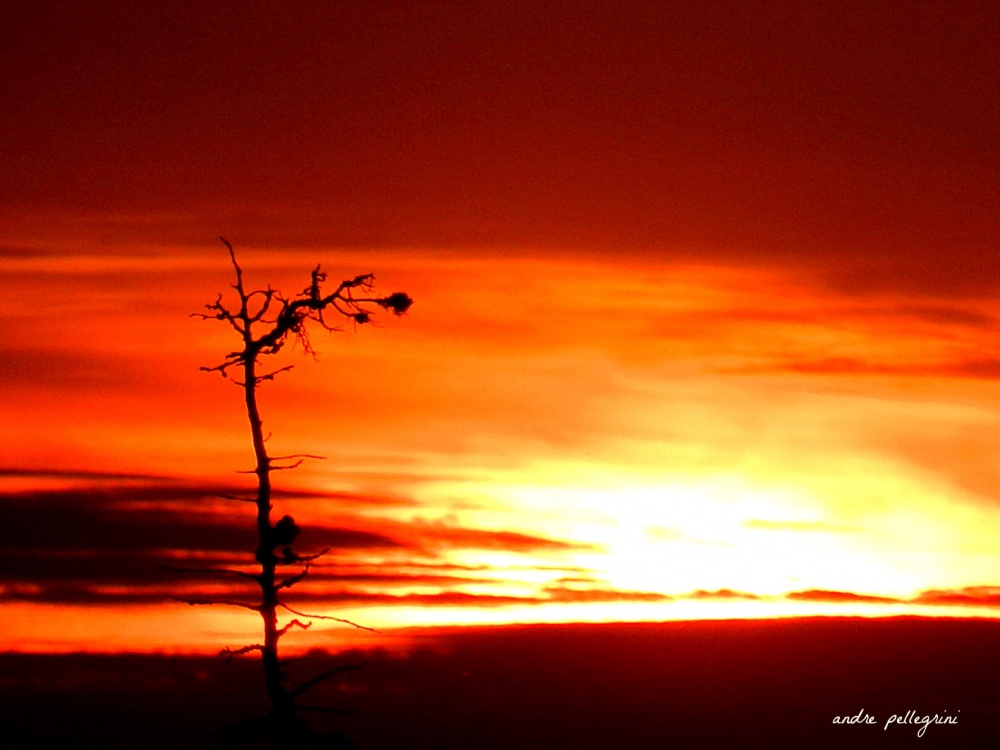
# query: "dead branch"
293 624
273 373
287 583
213 602
293 558
229 653
238 498
326 617
286 467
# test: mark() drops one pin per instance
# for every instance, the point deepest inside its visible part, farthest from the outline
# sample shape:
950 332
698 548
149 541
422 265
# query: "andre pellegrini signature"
910 718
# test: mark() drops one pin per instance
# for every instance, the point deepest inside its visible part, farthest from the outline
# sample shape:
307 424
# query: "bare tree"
265 320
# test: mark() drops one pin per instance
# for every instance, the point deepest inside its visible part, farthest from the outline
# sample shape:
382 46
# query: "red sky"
705 312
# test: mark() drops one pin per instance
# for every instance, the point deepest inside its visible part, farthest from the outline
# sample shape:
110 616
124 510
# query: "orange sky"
705 313
540 438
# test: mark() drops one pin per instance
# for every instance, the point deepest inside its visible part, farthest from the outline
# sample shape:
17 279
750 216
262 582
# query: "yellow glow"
641 429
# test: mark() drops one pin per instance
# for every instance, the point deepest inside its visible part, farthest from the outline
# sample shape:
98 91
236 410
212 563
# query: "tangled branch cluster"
283 317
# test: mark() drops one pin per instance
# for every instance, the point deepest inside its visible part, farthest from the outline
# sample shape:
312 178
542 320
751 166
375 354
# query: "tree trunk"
283 717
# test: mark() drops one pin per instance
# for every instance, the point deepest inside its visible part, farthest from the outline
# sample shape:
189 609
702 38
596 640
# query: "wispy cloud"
721 594
845 597
984 368
130 539
968 596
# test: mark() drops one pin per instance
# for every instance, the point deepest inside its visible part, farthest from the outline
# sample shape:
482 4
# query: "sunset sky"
706 316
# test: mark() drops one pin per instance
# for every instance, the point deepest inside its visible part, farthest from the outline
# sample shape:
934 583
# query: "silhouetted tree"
265 320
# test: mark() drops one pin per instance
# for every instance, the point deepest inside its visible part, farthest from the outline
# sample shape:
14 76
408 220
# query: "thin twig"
326 617
294 624
213 602
229 653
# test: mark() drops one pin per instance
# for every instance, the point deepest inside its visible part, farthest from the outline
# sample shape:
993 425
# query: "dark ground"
742 684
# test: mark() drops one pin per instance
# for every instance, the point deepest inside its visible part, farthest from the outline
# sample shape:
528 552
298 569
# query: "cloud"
566 595
131 538
720 594
118 519
546 595
948 316
390 579
69 593
76 474
969 596
40 368
437 537
985 368
842 597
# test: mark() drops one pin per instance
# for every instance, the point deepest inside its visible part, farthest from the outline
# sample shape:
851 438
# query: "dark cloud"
983 369
104 568
161 514
949 316
78 474
390 579
450 537
70 593
67 593
18 252
960 271
986 368
60 369
125 539
120 519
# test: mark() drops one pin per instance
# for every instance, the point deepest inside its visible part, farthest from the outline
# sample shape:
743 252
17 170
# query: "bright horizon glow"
602 440
181 630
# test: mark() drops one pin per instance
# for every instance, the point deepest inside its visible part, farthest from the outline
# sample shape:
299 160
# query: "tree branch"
291 580
295 624
307 558
213 602
326 617
238 498
230 653
270 375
